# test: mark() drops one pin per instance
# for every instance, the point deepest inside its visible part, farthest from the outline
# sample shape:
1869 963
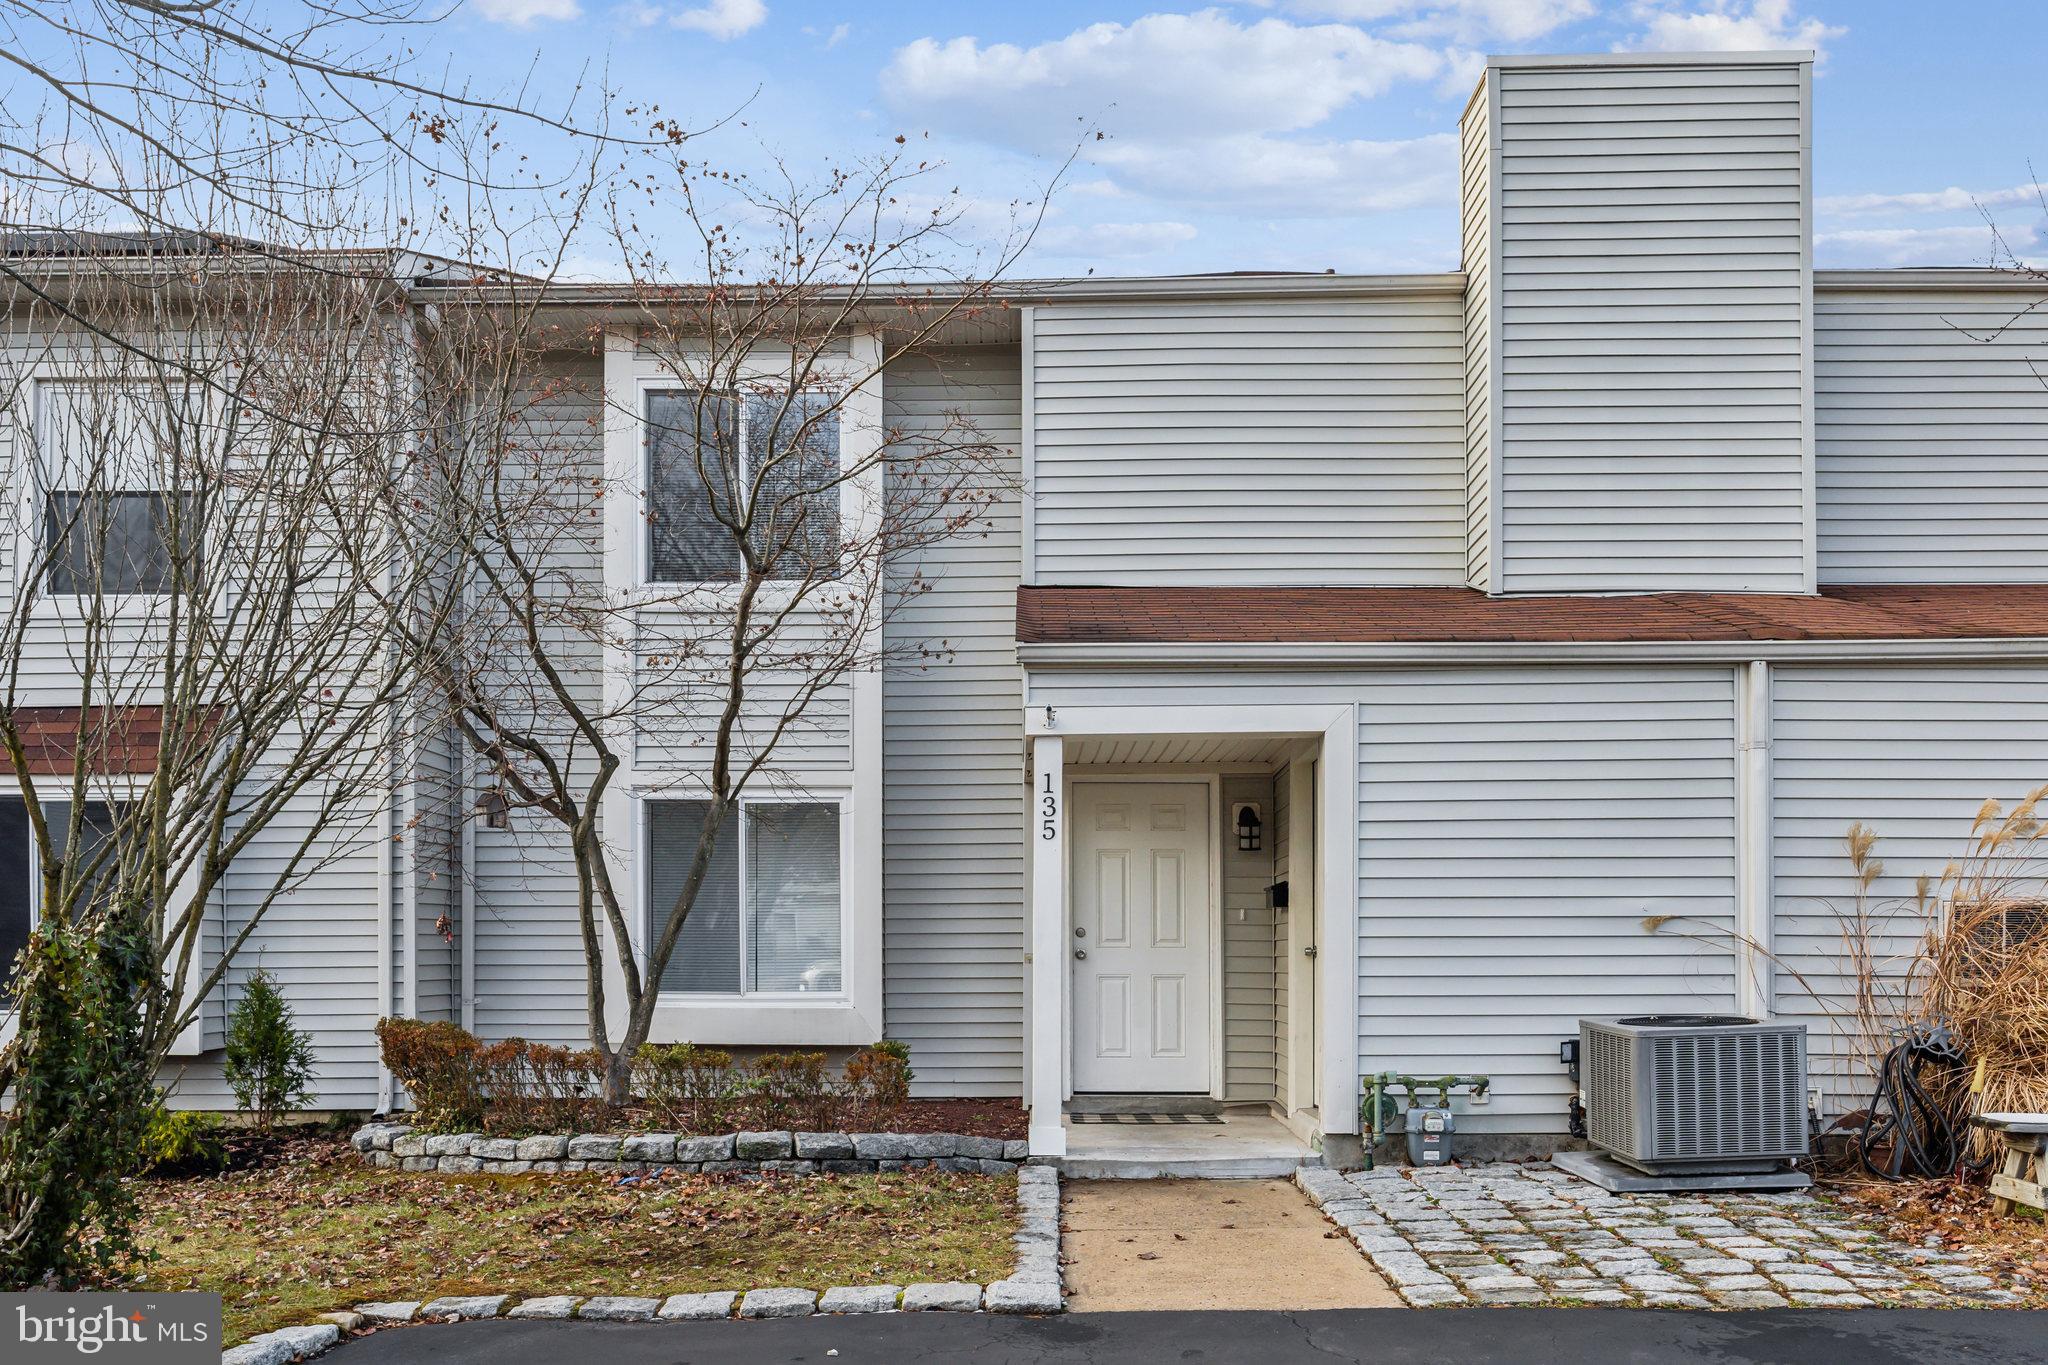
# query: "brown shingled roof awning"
1446 615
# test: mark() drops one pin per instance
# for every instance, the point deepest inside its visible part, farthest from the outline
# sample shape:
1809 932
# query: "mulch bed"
1954 1215
968 1118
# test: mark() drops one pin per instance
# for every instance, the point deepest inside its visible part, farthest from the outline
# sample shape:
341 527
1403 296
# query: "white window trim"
646 388
857 1018
735 824
32 483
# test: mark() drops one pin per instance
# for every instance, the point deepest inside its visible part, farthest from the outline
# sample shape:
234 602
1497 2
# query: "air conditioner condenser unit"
1692 1094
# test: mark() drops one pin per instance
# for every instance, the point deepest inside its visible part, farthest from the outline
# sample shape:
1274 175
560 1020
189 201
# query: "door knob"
1080 954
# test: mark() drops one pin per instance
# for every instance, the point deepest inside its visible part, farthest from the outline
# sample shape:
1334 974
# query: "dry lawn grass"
320 1232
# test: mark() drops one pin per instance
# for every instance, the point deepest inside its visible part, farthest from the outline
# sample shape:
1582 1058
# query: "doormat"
1144 1118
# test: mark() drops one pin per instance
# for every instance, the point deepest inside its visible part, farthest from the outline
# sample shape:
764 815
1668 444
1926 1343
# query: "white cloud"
1165 75
1464 21
1969 244
521 13
1727 26
1198 108
1112 241
1950 200
1288 177
723 19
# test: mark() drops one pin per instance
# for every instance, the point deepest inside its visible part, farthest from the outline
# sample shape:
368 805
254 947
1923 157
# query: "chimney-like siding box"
1639 326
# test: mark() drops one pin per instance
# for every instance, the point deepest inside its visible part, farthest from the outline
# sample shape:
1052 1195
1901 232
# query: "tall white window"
768 918
104 522
710 456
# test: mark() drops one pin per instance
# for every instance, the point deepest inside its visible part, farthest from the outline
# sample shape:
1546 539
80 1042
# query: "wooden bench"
2018 1178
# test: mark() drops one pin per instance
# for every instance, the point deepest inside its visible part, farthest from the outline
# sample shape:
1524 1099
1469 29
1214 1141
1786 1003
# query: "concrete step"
1143 1165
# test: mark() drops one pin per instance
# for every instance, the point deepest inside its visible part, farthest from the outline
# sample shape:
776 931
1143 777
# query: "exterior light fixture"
494 808
1248 828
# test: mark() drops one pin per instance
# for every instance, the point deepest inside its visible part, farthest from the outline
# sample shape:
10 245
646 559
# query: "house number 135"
1048 811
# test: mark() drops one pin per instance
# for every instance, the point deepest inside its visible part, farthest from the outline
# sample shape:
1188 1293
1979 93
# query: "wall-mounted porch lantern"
494 808
1248 827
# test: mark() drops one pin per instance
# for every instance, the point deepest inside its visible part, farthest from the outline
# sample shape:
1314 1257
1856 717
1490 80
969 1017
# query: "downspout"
1754 963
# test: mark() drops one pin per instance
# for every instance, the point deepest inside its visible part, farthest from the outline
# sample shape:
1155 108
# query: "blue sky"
1293 134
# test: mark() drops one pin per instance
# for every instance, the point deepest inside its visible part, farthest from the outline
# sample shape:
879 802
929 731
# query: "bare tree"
195 671
765 509
198 586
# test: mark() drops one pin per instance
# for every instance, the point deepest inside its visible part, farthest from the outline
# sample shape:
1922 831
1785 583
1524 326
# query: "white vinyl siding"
528 951
1248 1001
953 774
1476 204
1283 848
1241 443
1652 295
1516 825
1912 752
1515 829
1931 413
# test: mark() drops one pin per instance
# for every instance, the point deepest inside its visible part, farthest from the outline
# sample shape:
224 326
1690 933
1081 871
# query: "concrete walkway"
1467 1336
1208 1244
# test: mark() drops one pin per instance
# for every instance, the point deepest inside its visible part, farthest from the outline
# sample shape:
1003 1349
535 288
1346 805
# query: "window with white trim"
705 455
104 522
769 918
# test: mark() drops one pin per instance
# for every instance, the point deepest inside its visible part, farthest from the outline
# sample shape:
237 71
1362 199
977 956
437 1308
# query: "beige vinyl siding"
953 764
1931 417
1652 294
1912 752
1250 442
1476 205
1248 1001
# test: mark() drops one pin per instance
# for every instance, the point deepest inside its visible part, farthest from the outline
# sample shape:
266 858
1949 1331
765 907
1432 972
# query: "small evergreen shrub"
80 1097
269 1060
181 1142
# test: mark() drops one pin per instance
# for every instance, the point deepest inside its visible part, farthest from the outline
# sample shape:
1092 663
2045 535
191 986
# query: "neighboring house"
1366 660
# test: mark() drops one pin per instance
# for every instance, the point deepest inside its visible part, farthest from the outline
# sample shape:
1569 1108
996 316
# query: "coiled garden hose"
1922 1137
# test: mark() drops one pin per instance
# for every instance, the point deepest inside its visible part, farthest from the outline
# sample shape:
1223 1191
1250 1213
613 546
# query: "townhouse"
1373 672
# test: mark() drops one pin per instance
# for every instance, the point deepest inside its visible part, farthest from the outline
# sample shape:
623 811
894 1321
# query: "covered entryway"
1181 892
1143 967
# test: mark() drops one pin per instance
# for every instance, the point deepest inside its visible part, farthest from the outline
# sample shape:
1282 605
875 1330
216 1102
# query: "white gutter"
1204 654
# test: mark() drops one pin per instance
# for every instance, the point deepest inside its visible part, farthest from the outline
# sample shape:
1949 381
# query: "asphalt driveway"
1478 1336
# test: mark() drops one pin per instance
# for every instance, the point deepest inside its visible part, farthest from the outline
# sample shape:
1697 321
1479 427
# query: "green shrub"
437 1064
269 1061
790 1090
692 1089
81 1088
181 1142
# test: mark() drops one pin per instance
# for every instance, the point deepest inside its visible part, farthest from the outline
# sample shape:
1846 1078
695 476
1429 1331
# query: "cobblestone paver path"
1528 1233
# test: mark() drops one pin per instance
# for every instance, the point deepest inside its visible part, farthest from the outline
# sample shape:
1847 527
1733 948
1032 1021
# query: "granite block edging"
398 1146
1036 1286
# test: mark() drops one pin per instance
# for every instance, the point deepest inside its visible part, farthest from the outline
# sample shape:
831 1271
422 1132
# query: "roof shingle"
1445 615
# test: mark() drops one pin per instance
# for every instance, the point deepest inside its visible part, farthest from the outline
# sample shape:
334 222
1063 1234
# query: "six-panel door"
1140 950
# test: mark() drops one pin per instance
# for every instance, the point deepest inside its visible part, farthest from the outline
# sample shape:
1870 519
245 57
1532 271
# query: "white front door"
1141 937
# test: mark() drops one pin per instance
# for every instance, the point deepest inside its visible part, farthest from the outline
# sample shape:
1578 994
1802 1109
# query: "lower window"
21 889
767 918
